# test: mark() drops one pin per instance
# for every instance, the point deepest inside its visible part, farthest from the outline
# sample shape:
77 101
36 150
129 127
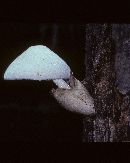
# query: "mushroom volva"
40 63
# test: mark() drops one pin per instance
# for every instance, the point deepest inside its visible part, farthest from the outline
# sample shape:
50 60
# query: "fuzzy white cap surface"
37 63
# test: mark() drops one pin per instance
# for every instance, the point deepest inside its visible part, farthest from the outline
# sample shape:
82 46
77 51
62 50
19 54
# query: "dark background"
28 112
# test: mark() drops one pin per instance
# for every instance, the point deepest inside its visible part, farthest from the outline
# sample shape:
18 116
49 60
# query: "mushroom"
40 63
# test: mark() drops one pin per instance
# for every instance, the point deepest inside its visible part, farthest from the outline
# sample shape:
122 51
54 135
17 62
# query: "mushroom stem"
61 84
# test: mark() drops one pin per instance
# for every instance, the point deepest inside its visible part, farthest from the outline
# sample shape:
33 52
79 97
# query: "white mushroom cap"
38 63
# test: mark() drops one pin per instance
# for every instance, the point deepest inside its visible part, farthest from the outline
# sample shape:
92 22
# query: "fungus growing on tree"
40 63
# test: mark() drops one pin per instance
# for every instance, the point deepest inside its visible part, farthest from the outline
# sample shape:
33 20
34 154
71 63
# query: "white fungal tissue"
37 63
40 63
76 99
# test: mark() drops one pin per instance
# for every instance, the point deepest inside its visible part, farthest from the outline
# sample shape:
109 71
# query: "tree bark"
110 123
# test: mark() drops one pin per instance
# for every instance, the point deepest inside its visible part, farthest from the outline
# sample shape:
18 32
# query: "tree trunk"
111 120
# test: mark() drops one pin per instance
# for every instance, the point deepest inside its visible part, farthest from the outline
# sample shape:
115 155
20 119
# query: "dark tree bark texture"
110 123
